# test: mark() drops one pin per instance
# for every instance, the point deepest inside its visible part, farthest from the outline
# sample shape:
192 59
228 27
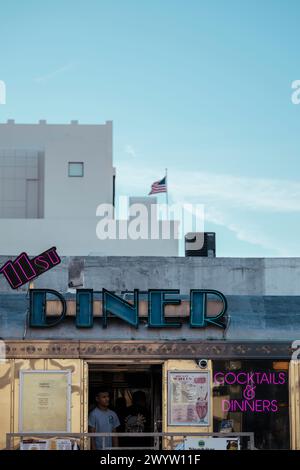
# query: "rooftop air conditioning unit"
200 244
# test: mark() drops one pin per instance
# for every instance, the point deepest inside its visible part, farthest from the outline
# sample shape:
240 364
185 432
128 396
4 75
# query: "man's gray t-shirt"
103 421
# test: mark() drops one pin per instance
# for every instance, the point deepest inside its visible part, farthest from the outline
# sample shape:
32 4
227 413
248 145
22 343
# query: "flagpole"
167 199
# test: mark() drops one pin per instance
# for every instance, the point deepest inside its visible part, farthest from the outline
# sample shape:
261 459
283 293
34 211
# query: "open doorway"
135 396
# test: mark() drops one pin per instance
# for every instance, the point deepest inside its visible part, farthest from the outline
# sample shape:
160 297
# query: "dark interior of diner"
271 428
134 391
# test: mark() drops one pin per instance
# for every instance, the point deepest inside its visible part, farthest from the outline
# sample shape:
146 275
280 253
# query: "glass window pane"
253 396
75 169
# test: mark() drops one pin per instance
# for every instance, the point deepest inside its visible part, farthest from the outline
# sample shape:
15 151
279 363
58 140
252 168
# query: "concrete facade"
232 276
263 297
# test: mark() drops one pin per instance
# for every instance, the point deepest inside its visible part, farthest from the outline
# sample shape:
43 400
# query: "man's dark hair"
102 390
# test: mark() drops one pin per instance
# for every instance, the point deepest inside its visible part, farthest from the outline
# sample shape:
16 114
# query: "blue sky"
200 87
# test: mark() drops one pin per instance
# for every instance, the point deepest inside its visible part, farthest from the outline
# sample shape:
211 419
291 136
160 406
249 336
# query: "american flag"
159 186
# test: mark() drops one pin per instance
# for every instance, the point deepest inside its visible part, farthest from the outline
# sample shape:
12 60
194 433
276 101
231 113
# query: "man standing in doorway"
102 419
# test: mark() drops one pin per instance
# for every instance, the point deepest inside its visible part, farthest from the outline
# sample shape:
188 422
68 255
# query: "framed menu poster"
189 398
45 401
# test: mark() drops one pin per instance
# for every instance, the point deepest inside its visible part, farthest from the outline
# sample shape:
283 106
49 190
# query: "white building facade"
52 179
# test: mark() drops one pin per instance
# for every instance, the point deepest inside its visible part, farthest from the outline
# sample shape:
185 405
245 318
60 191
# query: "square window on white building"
75 169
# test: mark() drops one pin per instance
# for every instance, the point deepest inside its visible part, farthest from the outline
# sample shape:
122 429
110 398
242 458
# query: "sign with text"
129 312
45 401
188 398
212 443
23 269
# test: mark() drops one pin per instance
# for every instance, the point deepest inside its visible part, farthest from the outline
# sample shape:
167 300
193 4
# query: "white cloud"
258 194
248 232
54 73
226 197
130 151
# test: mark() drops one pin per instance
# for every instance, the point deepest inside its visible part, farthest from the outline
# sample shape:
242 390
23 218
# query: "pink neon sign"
22 269
250 380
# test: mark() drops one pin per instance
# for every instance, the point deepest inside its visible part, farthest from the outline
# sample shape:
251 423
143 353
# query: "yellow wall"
9 394
294 388
6 400
182 365
9 391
